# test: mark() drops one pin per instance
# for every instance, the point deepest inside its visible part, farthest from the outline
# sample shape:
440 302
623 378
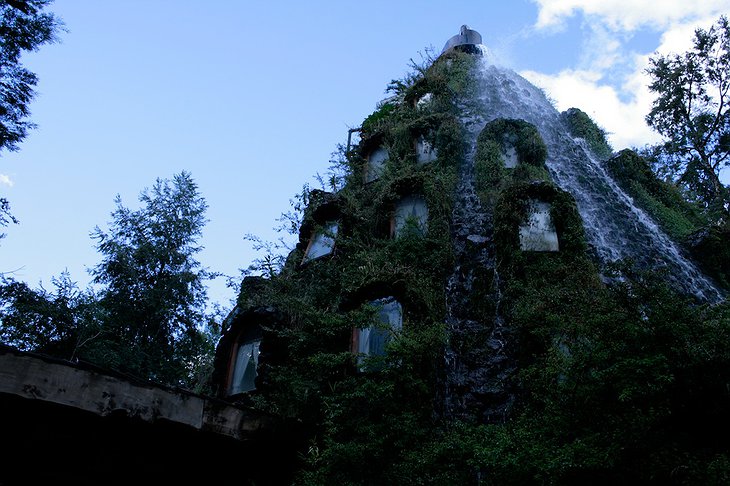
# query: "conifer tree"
153 293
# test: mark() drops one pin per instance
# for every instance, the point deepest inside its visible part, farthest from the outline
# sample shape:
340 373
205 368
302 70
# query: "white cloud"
601 50
610 83
6 180
629 14
677 38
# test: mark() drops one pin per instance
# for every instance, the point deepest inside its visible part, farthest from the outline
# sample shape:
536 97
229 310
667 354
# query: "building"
467 244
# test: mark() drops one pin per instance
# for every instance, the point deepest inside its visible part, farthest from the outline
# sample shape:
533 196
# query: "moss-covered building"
447 308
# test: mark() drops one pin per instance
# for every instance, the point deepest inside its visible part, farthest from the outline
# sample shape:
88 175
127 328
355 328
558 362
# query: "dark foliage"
154 292
148 318
711 247
60 323
24 27
692 112
623 381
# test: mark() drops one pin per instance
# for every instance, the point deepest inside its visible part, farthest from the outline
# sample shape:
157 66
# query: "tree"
24 26
63 322
154 294
149 317
691 111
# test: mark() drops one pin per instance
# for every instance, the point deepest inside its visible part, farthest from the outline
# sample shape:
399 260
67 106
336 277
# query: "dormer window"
425 152
410 212
245 345
509 155
538 232
244 368
322 242
424 101
372 340
375 164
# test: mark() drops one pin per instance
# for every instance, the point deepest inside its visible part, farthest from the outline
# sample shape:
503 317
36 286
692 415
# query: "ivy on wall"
619 379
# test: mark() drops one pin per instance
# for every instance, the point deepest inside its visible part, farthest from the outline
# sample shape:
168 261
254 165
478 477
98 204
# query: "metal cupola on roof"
466 40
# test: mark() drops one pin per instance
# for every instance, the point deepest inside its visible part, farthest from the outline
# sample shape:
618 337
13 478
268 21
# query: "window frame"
381 329
373 173
396 229
323 231
425 157
249 335
532 227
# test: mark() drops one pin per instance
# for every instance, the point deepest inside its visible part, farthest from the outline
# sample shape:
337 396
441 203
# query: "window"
322 242
244 370
538 233
509 155
424 101
425 152
376 164
372 340
410 212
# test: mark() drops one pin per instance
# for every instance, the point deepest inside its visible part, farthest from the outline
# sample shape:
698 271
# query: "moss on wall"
372 123
355 415
681 220
603 370
711 248
490 172
511 211
582 126
661 200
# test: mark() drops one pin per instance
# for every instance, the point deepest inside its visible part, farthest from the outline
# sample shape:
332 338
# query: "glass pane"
372 340
377 341
410 210
323 242
425 152
538 233
363 340
244 372
376 162
424 100
509 154
390 313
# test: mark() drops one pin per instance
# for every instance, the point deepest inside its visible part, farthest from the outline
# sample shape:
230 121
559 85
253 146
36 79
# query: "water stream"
615 227
477 358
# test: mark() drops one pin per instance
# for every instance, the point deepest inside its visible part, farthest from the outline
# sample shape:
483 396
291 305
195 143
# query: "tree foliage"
154 289
148 316
62 322
24 27
691 112
618 379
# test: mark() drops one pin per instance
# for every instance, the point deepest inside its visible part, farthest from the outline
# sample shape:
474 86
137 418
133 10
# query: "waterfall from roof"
615 227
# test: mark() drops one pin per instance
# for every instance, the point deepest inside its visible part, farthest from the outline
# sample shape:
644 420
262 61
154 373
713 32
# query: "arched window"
245 354
372 340
425 152
509 155
538 232
375 163
410 212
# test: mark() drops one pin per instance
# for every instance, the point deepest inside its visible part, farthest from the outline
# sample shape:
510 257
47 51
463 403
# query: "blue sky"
253 97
